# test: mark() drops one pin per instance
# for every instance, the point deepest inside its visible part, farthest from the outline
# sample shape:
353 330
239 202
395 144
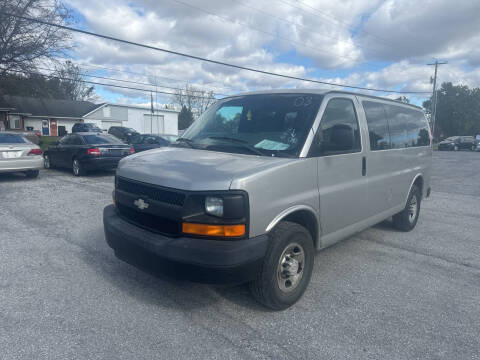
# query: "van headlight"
214 206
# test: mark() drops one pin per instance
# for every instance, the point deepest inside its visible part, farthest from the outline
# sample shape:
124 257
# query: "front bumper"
201 260
21 164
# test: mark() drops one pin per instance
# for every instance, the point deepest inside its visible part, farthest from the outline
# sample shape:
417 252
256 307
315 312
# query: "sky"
368 43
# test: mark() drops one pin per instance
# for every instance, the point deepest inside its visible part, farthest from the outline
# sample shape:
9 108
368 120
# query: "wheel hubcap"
75 167
47 162
290 267
412 209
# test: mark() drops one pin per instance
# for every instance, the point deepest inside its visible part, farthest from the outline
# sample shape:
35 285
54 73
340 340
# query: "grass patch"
46 141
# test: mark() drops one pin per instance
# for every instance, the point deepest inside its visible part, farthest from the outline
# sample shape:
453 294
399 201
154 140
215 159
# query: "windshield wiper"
242 143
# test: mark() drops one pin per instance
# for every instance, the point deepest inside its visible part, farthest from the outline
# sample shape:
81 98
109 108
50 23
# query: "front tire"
46 162
77 168
287 267
407 219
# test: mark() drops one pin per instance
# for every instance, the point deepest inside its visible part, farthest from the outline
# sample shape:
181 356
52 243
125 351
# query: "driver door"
341 172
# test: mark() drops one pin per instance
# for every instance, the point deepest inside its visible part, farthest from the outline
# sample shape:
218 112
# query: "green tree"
185 118
458 110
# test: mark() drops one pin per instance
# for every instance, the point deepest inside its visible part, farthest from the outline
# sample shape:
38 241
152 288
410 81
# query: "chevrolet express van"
262 180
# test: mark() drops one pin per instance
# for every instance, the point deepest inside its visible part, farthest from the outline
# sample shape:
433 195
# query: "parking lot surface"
381 294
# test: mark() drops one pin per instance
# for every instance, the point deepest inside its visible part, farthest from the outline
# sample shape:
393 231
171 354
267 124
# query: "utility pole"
434 105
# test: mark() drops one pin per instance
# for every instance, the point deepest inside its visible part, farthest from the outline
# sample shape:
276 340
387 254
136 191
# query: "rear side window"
377 125
101 139
11 139
408 127
399 127
338 132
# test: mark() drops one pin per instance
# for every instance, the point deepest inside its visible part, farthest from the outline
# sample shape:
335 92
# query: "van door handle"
364 166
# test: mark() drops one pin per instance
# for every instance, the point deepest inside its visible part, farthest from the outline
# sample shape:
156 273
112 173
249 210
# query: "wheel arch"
418 181
303 215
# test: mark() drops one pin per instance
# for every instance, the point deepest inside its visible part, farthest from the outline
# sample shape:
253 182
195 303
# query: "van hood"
194 169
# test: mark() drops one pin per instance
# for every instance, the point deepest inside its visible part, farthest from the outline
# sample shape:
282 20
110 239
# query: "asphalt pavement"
381 294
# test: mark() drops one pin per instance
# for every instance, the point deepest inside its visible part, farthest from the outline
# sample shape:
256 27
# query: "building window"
15 122
106 111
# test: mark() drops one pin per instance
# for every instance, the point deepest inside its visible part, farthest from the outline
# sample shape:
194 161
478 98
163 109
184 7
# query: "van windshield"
266 124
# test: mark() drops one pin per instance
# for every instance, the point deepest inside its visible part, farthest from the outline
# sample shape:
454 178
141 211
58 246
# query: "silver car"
261 181
17 154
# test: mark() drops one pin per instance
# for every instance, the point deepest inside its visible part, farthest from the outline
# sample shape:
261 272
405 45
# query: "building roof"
47 107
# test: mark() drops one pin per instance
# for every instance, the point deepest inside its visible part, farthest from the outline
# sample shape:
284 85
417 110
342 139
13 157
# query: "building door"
53 127
153 124
45 129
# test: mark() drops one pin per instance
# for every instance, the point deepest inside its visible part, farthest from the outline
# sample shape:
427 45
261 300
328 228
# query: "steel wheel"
412 209
290 267
76 167
46 162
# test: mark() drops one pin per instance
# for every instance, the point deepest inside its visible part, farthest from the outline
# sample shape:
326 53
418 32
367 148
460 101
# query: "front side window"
264 124
338 132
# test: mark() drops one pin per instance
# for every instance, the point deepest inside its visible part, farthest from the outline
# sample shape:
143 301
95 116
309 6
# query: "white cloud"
327 35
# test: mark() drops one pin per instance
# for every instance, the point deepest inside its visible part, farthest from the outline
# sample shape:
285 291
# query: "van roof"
321 92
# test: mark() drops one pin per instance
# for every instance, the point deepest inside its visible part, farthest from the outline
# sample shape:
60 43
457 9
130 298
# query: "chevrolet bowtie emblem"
141 204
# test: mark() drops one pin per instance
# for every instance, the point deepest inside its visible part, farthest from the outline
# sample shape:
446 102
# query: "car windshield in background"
171 138
101 139
270 125
11 139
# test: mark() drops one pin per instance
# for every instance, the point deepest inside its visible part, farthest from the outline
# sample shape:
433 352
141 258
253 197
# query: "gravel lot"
379 295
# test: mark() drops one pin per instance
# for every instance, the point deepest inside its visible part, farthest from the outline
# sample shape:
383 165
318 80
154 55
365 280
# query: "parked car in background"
455 143
17 154
83 152
85 127
31 135
149 141
260 181
125 134
170 138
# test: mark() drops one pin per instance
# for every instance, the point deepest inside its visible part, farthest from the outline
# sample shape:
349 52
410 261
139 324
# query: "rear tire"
77 168
407 219
287 267
31 174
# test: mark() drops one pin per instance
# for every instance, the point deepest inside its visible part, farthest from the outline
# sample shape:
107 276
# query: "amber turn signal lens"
214 230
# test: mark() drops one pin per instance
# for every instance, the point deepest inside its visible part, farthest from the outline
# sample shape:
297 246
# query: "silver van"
262 180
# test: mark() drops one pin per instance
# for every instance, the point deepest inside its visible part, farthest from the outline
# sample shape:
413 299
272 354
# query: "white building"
55 117
163 121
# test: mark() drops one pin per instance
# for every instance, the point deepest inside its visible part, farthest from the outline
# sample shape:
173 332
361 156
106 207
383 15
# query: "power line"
82 65
279 18
210 60
329 16
129 81
111 85
227 20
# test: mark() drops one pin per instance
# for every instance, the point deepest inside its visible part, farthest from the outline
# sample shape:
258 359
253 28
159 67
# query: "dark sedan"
455 143
148 142
83 152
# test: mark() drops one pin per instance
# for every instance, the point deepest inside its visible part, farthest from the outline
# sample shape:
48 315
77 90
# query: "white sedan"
17 154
